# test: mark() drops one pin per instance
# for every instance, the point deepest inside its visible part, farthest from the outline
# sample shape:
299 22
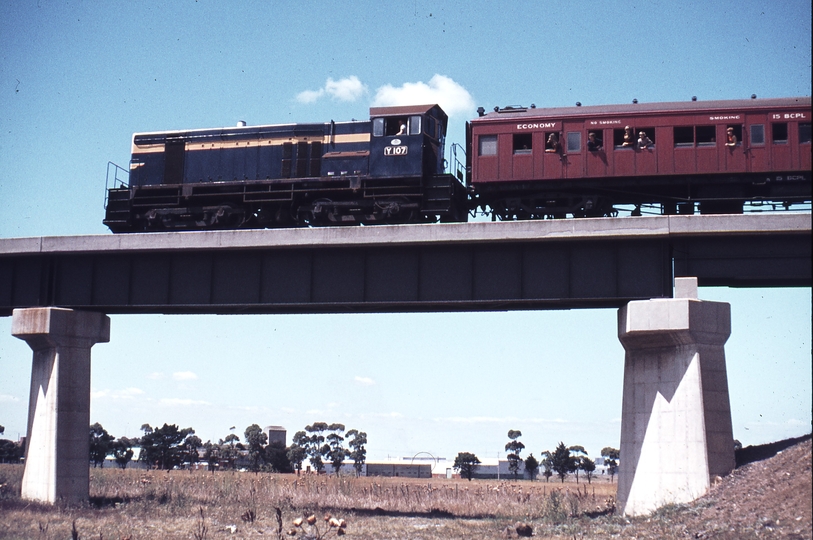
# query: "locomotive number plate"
395 150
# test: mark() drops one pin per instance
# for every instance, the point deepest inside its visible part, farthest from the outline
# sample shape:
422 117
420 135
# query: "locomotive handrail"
455 166
116 180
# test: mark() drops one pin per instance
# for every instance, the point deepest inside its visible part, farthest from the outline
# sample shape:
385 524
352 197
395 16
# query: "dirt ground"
768 498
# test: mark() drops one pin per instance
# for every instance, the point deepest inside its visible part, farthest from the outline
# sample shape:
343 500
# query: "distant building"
409 470
276 434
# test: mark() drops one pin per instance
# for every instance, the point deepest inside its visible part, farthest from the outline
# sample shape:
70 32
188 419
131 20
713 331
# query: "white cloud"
366 381
184 376
347 89
451 96
309 96
5 398
155 376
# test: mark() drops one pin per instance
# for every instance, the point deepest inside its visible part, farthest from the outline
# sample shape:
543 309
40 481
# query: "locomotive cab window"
393 126
414 125
487 145
804 132
523 143
779 133
430 127
684 135
757 134
706 135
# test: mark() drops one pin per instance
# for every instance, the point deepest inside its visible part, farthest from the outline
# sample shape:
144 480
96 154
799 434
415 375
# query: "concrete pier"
58 447
676 431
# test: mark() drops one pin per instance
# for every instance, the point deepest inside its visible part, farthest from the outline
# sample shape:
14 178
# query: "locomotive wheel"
393 210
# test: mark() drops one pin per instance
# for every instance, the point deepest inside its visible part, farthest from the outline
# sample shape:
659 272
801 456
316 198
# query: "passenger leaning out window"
629 137
593 143
552 144
644 142
730 138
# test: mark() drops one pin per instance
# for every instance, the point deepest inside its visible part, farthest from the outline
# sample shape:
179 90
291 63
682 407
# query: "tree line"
563 460
170 447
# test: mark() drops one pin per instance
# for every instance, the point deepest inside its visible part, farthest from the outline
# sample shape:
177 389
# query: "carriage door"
754 141
573 147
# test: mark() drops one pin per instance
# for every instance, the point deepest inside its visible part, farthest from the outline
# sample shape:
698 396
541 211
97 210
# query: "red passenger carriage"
717 155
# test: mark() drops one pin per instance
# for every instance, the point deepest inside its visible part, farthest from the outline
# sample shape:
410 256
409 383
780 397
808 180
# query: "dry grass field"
765 499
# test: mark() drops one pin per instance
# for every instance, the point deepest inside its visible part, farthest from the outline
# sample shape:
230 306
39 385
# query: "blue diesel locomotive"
388 169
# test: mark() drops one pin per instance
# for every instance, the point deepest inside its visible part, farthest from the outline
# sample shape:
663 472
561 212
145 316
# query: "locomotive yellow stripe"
217 145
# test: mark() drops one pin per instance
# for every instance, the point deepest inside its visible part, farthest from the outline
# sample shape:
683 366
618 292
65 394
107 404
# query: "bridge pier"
676 431
58 445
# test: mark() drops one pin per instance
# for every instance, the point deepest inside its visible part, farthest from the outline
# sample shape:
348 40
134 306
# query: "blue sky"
78 78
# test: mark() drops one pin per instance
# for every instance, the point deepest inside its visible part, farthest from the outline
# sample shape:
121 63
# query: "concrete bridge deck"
436 267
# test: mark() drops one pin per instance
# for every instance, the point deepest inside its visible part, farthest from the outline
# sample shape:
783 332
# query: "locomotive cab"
407 142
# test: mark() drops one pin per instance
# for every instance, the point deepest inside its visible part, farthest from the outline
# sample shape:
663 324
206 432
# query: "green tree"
611 456
578 453
100 441
190 455
588 466
316 447
466 463
256 440
298 450
336 452
532 466
122 450
562 462
163 447
276 458
10 451
514 447
229 450
547 465
211 454
358 453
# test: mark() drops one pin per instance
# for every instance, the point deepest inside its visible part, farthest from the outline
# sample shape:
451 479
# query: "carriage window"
804 133
414 125
706 135
487 145
523 143
618 138
574 141
758 134
684 136
648 131
378 127
736 131
780 133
